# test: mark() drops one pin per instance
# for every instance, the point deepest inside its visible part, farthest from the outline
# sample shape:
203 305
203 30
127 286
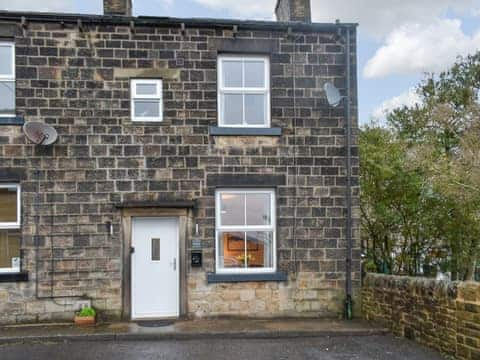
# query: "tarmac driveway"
342 347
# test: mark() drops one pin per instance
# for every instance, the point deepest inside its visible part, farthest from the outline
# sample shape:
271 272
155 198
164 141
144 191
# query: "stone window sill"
244 131
213 278
12 120
14 277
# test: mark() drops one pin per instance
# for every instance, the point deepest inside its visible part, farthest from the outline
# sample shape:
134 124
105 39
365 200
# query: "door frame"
127 215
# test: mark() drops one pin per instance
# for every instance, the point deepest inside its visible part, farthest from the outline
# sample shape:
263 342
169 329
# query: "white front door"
155 272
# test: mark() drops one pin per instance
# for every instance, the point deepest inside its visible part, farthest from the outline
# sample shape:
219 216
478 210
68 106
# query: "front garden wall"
440 314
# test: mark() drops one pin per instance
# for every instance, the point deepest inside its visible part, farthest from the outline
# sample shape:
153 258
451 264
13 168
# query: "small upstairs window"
7 79
244 91
146 100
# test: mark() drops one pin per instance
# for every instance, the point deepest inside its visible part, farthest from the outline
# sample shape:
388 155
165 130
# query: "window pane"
6 66
232 109
232 73
8 204
232 209
9 249
254 74
146 108
255 109
260 249
258 209
231 249
7 97
156 249
146 89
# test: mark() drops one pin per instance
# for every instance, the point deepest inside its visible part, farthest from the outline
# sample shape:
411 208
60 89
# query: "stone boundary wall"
440 314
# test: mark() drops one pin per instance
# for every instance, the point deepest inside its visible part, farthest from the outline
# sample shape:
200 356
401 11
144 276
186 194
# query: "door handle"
174 263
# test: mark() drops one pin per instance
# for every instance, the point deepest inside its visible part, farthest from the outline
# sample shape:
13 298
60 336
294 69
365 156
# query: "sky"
399 40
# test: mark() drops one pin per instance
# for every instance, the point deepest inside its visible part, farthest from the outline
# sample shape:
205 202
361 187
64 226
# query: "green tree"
420 178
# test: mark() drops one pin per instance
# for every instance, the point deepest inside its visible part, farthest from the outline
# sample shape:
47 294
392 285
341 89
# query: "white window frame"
13 225
157 96
244 90
9 77
245 228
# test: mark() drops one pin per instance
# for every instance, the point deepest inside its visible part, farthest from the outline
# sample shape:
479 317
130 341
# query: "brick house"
199 169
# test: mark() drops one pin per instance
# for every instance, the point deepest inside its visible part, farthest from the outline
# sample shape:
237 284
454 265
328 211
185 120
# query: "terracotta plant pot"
84 320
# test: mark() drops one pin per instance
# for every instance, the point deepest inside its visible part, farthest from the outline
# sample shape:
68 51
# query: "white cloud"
412 49
408 98
376 17
39 5
166 3
380 17
253 9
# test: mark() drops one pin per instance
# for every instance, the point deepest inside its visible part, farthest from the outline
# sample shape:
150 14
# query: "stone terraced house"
199 169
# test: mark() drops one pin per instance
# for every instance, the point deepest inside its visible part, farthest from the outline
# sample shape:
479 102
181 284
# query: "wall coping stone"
12 120
213 278
176 204
234 131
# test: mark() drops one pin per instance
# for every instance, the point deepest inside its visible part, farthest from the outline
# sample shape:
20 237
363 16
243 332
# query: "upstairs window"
244 91
146 100
245 231
7 79
10 211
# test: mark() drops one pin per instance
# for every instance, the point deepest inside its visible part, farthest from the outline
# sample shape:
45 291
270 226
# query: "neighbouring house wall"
79 83
440 314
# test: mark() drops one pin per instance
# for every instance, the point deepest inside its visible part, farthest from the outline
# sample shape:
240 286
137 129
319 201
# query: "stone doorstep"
189 330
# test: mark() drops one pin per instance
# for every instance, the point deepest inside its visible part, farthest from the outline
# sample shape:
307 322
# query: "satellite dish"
333 94
40 133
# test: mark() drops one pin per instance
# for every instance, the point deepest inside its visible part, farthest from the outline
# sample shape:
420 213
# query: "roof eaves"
168 21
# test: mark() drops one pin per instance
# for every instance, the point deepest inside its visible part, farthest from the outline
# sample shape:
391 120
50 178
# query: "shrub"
86 312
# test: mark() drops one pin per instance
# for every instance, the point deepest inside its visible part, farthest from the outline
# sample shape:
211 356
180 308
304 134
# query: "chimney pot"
117 7
293 10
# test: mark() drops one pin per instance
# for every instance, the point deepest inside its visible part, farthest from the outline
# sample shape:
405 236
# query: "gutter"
170 21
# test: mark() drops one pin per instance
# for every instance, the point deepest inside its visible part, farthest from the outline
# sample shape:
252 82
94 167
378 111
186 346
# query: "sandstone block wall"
78 80
443 315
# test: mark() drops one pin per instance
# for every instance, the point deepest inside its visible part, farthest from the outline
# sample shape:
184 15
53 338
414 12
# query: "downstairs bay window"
245 231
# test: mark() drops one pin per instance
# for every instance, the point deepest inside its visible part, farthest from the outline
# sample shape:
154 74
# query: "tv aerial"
40 133
333 94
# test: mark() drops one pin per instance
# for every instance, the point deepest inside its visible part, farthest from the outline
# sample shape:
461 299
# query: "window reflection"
232 249
259 249
9 248
255 252
232 209
8 204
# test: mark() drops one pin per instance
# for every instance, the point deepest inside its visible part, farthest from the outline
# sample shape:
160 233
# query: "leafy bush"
420 180
86 312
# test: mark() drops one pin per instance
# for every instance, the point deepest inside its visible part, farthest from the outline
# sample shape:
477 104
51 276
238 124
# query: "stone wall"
78 81
442 315
304 294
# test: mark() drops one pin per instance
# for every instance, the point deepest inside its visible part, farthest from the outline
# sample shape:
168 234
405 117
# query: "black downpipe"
348 188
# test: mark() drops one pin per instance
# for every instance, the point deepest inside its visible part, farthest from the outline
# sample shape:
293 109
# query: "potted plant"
86 316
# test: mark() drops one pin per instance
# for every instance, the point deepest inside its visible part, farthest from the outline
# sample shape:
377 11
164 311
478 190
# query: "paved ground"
191 330
324 348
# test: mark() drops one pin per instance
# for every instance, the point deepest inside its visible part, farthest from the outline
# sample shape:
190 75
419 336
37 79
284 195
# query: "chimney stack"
117 7
293 10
